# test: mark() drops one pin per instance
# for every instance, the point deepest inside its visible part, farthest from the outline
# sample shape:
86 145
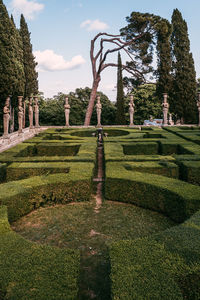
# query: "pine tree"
120 114
183 100
163 72
31 81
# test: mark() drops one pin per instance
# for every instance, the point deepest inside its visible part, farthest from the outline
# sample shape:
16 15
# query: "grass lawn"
79 226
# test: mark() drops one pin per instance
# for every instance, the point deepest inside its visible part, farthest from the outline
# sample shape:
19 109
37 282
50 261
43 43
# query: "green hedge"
32 271
190 171
2 172
177 199
22 196
161 167
140 148
17 171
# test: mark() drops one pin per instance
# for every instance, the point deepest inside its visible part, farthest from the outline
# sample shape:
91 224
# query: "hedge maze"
48 169
158 169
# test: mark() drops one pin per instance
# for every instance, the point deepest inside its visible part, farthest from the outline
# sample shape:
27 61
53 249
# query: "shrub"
140 148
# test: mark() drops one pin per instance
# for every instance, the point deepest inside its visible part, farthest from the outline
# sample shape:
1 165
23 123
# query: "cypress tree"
120 114
163 72
31 81
11 66
183 100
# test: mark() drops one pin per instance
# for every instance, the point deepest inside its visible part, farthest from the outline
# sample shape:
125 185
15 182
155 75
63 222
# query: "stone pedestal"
20 115
67 112
131 110
36 110
98 109
165 106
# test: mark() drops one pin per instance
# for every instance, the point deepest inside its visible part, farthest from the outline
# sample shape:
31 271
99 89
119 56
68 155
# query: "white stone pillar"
6 118
131 109
20 114
30 112
36 110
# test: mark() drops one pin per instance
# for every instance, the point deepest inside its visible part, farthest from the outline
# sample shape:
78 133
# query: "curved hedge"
32 271
165 265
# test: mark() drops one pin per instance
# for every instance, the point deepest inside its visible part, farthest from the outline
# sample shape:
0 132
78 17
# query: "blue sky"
61 31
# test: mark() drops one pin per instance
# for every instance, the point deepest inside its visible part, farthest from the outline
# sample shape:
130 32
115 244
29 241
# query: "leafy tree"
198 85
31 83
52 110
120 115
146 102
11 55
183 97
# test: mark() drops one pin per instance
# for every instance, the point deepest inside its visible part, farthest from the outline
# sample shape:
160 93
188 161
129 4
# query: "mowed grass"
79 226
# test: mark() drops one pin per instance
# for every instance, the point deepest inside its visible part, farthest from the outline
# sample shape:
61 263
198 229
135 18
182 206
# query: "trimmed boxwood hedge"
22 196
2 172
17 171
140 148
32 271
175 198
190 171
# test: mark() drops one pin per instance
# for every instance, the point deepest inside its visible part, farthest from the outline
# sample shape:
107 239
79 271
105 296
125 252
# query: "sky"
61 31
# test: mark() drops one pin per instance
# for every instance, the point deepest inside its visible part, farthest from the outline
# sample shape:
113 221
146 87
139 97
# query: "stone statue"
6 117
30 112
131 109
98 109
20 114
198 106
165 106
36 110
171 122
67 112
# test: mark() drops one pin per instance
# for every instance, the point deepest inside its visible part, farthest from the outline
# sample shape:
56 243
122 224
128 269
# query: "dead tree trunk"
100 59
91 101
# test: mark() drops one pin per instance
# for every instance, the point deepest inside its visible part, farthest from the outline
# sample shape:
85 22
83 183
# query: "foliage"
146 103
183 96
31 83
52 110
11 60
120 114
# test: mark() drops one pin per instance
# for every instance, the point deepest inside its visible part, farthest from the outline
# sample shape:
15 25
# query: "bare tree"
99 64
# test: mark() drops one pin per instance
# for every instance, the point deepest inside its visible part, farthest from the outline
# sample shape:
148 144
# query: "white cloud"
48 60
94 25
27 8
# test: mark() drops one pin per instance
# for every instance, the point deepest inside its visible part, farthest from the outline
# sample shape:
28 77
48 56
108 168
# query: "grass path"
79 226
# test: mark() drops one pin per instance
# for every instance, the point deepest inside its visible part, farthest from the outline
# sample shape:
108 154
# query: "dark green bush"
140 148
32 271
190 171
2 172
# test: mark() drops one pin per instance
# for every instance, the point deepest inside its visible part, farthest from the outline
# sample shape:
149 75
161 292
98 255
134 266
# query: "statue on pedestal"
36 110
165 106
30 112
198 106
98 109
6 117
171 122
20 114
67 111
131 109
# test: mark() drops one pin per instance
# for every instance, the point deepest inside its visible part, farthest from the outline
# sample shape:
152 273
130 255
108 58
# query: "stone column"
198 106
165 106
67 111
20 114
98 109
171 122
30 112
6 118
131 109
36 110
